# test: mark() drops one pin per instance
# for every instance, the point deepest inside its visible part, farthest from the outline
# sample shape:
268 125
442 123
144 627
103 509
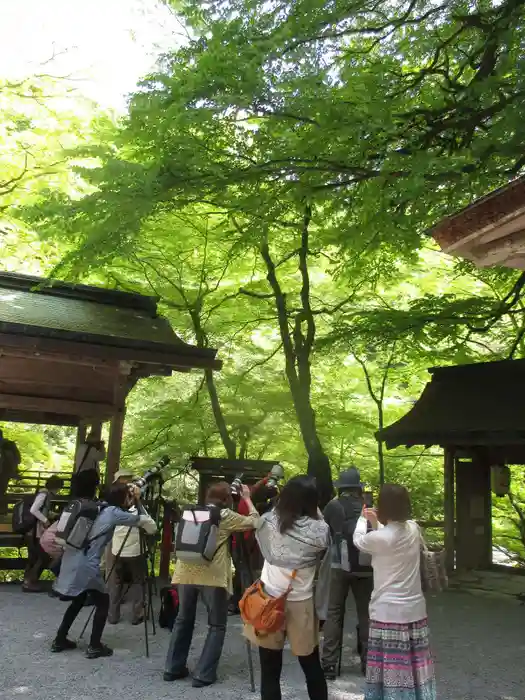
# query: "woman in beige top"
212 582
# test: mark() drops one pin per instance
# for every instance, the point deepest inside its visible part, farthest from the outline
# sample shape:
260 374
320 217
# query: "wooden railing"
29 484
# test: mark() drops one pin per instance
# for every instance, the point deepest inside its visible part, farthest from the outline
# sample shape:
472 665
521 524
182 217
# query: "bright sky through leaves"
106 45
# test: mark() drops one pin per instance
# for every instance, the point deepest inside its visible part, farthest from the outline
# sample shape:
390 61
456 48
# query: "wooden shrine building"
70 354
491 231
476 413
212 469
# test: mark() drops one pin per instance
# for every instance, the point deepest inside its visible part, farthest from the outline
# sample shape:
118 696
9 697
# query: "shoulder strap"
293 576
88 447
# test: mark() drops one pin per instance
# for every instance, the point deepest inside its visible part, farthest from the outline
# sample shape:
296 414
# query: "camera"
368 498
236 485
154 473
276 475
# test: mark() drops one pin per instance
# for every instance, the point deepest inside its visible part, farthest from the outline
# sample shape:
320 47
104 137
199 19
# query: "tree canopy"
273 183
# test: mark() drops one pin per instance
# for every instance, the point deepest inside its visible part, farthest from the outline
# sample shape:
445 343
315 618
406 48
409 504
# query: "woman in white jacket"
399 664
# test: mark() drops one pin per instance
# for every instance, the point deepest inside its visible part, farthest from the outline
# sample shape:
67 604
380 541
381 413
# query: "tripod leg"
91 613
246 581
146 638
151 610
250 666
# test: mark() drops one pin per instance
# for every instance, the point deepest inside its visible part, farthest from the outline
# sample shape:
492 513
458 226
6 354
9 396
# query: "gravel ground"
479 645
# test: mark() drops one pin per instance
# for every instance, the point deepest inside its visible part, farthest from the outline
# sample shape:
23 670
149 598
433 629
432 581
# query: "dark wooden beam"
184 360
80 409
449 508
37 417
40 370
95 392
29 353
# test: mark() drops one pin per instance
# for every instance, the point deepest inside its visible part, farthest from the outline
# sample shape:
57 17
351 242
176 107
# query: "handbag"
263 612
434 578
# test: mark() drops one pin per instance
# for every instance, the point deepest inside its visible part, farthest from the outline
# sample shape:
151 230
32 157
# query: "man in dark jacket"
9 462
349 571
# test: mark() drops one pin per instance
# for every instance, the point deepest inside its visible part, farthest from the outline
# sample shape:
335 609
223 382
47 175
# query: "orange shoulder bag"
264 613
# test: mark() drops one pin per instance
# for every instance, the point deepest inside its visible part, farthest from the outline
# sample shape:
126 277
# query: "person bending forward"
80 573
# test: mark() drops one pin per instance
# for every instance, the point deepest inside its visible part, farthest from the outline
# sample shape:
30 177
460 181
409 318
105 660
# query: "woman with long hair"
399 664
295 543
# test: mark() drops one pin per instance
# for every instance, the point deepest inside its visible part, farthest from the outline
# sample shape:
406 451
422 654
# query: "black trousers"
101 601
341 583
37 559
271 667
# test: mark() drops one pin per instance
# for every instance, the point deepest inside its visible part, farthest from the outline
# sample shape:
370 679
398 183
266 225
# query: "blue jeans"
216 602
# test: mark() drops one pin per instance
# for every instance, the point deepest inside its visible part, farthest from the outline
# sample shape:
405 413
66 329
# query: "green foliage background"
273 183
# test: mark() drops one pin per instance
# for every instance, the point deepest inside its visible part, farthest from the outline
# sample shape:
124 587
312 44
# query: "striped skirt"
399 664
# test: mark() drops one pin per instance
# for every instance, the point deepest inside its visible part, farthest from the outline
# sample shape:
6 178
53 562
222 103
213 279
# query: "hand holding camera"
371 515
134 493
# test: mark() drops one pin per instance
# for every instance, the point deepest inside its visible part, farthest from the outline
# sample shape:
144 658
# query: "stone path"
479 645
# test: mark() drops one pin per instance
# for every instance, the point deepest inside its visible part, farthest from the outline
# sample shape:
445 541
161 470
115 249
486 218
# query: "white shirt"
395 550
132 546
276 582
40 509
91 461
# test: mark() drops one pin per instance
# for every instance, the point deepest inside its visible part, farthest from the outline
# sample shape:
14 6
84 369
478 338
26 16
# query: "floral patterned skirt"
399 664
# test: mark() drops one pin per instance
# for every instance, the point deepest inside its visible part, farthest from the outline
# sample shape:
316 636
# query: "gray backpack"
197 534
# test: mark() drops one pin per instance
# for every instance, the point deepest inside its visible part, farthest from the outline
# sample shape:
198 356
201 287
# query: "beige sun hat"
123 473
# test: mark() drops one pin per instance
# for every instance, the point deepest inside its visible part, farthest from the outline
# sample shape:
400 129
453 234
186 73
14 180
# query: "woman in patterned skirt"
399 664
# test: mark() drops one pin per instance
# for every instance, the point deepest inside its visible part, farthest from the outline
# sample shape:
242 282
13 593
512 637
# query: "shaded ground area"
479 645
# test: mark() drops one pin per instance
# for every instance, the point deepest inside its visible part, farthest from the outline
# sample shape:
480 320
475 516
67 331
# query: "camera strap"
88 447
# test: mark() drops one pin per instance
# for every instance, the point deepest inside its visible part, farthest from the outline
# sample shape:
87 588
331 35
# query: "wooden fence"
29 484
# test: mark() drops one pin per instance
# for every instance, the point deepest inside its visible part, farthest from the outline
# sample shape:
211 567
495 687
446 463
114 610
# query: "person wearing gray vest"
350 571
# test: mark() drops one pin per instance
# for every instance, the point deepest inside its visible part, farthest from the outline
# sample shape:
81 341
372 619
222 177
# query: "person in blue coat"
80 573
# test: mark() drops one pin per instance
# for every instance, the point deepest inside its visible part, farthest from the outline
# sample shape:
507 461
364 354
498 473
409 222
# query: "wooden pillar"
96 430
450 509
81 434
115 444
473 513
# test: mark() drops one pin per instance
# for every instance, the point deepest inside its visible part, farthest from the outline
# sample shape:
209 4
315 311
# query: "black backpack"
23 521
169 607
359 562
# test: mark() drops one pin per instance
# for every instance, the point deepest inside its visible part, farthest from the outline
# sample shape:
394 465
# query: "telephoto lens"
236 486
276 475
152 473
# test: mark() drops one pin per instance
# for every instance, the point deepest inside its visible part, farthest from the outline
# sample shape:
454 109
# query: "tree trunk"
297 348
229 445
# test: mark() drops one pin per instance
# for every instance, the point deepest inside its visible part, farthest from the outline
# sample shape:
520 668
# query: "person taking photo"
399 663
80 572
212 582
295 543
350 572
125 564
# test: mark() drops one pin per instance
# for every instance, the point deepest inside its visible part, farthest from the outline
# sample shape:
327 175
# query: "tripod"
246 578
148 584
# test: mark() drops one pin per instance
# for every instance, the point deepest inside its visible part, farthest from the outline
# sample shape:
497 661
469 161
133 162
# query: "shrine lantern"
500 479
